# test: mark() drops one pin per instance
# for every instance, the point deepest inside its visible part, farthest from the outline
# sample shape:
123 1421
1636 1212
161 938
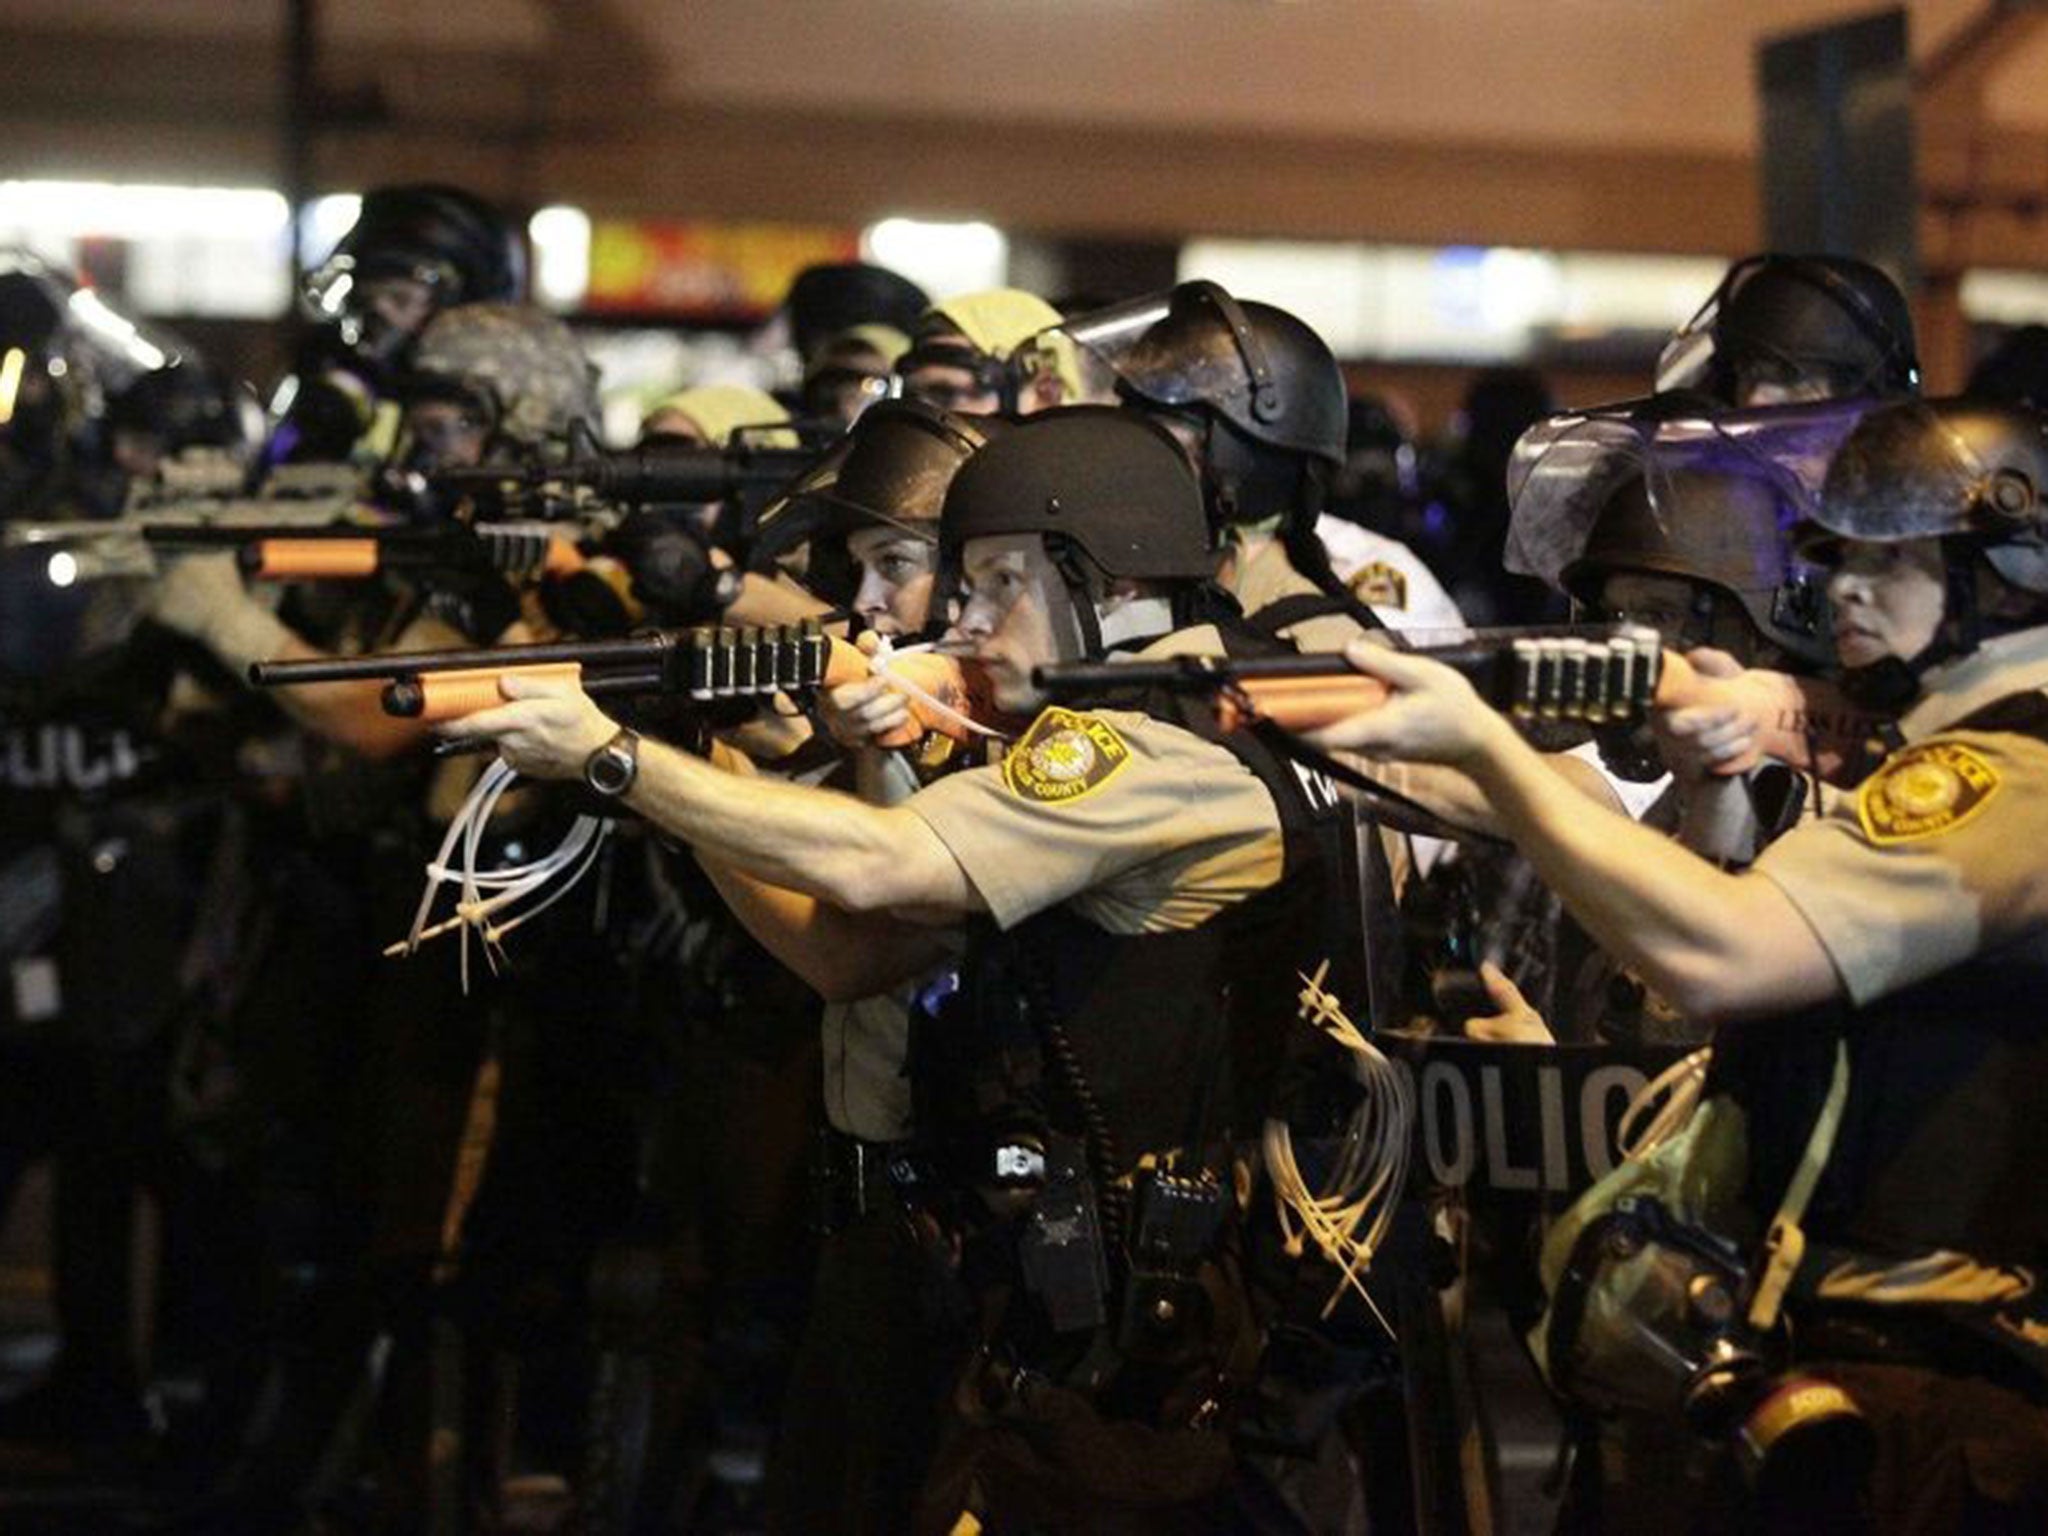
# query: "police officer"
1258 401
1871 973
961 354
1781 329
1118 873
415 251
884 1337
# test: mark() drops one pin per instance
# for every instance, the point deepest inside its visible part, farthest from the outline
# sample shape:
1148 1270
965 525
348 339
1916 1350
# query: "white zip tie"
879 665
1674 1094
1371 1168
474 910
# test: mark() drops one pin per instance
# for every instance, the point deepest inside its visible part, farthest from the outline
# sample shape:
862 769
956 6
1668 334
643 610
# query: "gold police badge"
1923 791
1063 757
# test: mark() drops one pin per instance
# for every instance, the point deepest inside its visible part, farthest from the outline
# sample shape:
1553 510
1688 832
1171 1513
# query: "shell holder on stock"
1532 676
707 665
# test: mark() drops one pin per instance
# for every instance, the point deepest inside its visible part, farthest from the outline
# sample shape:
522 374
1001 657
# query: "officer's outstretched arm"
202 597
859 857
1718 945
840 955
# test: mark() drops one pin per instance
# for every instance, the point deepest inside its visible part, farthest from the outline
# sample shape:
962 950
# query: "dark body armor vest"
1945 1128
1104 1048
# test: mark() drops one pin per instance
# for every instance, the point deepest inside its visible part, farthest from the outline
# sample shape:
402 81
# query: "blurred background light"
941 258
561 256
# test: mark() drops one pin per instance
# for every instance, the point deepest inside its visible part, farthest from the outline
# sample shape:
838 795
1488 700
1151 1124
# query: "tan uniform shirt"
1938 856
1140 826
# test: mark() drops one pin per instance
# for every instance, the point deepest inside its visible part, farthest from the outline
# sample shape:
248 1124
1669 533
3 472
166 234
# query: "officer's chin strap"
1067 559
1350 1217
493 916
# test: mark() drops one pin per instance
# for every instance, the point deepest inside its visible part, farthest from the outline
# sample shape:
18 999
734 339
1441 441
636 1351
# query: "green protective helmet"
522 364
1101 479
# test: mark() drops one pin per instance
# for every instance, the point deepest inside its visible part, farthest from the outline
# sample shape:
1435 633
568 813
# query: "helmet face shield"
1935 469
1108 335
1709 497
1783 329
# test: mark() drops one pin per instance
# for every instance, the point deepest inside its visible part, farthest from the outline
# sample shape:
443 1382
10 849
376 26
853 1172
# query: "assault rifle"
203 504
746 475
706 664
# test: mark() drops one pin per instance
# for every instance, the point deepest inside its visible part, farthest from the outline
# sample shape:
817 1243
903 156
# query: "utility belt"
1129 1297
852 1179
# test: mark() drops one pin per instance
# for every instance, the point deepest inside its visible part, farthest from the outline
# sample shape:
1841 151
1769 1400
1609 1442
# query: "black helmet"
1096 479
188 404
1830 321
898 460
1962 470
449 239
1257 369
1713 526
829 299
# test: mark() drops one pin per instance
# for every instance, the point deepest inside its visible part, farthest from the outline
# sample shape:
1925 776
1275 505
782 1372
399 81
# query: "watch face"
611 767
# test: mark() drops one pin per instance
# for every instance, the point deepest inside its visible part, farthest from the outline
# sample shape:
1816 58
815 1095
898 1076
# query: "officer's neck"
1123 620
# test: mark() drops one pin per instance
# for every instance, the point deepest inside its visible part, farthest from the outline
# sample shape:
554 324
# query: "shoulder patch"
1380 585
1063 757
1924 791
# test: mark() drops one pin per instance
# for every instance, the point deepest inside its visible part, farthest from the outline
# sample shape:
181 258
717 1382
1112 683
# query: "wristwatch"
613 767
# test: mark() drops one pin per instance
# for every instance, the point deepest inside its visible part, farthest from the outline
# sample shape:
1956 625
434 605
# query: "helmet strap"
1067 559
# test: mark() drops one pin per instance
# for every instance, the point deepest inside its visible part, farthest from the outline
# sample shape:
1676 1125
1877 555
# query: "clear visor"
340 287
1687 361
1565 469
1107 334
1907 474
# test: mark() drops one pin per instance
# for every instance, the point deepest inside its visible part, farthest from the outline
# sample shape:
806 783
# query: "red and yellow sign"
719 272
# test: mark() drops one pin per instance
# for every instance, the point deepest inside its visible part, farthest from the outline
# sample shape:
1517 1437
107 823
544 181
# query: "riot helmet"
1109 494
449 246
63 350
1783 329
1967 474
1254 368
1964 471
826 301
1723 532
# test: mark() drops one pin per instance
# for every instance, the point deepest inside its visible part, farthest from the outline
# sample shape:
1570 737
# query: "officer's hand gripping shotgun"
707 665
1612 677
1607 679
